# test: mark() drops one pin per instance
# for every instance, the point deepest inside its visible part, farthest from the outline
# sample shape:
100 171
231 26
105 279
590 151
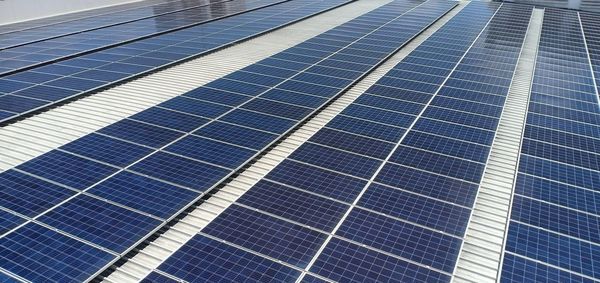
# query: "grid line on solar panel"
268 20
169 161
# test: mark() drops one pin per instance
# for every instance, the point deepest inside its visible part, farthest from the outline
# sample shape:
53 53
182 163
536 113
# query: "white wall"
12 11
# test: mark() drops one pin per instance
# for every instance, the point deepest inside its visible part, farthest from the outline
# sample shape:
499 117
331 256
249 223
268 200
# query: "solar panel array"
104 193
39 53
383 192
554 230
44 86
31 35
17 27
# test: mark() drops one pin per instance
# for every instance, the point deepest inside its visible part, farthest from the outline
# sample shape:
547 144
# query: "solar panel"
66 79
192 162
407 224
553 230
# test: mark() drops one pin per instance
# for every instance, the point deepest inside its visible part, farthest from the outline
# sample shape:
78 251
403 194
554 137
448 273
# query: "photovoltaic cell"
40 254
205 259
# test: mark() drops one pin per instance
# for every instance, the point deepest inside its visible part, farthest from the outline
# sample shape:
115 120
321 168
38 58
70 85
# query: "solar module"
405 217
554 225
192 162
40 87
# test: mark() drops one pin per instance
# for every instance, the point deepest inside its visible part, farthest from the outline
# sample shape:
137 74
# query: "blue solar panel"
28 195
447 146
210 151
518 269
106 149
336 160
352 143
74 43
41 254
554 249
144 194
425 183
268 123
218 96
141 133
195 107
327 183
557 219
205 259
401 238
432 213
441 164
378 115
180 170
170 119
346 262
67 169
9 221
268 235
558 193
235 134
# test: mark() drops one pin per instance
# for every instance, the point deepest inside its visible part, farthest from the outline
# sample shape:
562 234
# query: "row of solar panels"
64 21
554 231
74 65
111 189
